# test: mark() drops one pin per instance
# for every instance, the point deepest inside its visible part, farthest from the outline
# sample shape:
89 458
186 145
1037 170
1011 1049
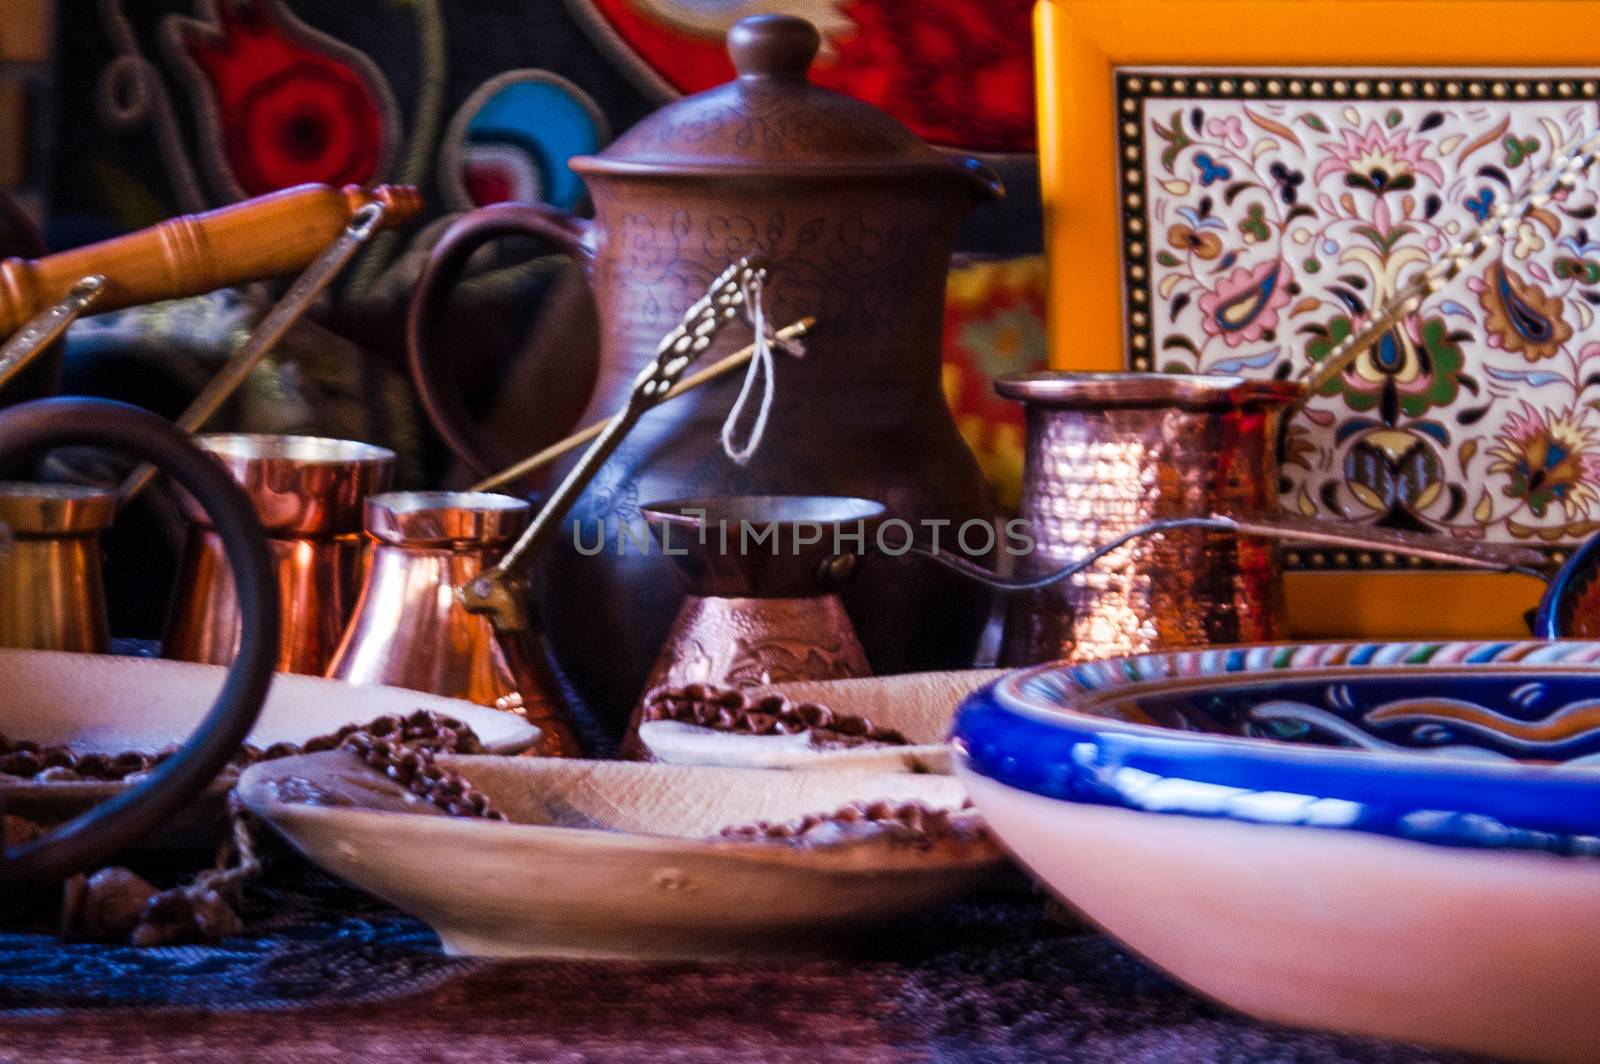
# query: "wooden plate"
109 704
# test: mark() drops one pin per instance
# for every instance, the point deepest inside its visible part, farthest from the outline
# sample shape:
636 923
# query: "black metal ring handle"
441 401
99 833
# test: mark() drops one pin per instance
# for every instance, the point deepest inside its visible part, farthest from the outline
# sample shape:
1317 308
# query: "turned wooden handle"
268 236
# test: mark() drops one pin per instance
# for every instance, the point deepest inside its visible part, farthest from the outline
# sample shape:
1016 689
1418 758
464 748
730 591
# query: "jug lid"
773 120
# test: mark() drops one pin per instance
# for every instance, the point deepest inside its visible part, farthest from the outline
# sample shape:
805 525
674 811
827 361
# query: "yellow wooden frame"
1080 43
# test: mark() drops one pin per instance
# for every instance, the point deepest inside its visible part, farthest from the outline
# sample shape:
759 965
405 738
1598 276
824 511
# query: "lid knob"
773 46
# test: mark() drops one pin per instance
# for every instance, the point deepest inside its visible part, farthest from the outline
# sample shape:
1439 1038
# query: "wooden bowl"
625 860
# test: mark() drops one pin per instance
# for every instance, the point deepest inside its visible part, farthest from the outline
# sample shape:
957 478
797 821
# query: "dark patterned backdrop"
176 105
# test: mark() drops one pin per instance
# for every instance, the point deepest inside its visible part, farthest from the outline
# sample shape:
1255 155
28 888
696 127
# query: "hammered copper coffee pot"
1151 501
857 217
1109 453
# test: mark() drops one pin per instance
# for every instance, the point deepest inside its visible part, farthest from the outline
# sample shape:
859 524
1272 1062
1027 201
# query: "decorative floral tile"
1267 213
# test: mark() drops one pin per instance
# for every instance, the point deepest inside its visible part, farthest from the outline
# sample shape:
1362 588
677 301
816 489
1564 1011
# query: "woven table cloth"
325 973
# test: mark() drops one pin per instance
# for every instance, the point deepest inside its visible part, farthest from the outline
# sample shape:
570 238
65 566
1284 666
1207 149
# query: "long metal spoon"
501 592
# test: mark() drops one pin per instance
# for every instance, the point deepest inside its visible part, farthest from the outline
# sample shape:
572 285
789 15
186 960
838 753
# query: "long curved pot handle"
1493 557
101 832
425 316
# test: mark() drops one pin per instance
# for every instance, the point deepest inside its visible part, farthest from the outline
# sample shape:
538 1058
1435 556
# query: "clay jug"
856 216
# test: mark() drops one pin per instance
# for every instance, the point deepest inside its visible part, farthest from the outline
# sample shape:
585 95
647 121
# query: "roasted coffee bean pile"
414 768
117 905
423 729
738 711
49 764
912 822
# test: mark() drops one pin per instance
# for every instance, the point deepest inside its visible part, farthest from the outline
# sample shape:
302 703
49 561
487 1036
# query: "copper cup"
762 575
308 493
52 591
1109 452
409 629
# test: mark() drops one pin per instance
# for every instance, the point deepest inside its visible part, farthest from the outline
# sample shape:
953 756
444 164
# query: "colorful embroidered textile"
174 105
993 325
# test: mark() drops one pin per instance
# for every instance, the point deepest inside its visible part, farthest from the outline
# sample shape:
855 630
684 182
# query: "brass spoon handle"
720 368
32 340
498 592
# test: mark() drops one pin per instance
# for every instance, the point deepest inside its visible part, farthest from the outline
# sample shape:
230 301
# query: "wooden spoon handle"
268 236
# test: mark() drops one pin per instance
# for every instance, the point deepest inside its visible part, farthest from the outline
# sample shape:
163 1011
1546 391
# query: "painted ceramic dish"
626 860
1400 839
916 706
1418 740
103 704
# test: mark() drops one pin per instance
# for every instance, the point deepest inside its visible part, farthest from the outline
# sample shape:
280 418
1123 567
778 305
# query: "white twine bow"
761 370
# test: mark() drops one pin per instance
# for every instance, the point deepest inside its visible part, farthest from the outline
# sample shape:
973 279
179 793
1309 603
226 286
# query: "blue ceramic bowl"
1570 608
1463 744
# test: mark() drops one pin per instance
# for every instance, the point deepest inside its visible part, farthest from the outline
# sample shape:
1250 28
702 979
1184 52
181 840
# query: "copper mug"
308 493
1107 453
410 630
52 591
